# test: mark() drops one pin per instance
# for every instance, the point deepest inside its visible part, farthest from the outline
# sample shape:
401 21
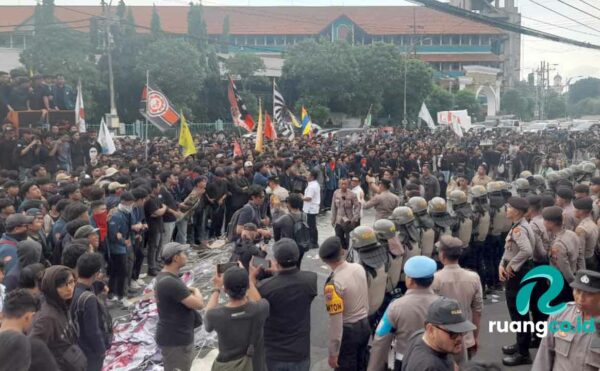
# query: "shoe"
134 285
535 342
112 298
510 349
141 282
125 303
517 360
143 275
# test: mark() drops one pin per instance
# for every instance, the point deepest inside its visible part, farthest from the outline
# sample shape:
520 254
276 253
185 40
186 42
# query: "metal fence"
137 129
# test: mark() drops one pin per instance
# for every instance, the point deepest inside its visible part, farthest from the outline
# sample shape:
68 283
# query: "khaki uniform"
480 180
465 287
569 220
344 208
346 300
564 253
542 240
427 241
405 315
482 227
384 204
499 222
567 351
377 287
518 248
587 231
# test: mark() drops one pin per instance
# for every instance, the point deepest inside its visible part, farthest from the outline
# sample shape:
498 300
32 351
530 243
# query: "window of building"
270 40
427 41
4 40
455 40
446 40
436 40
474 39
485 40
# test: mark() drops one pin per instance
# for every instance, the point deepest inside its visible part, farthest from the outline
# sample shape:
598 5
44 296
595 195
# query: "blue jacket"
8 252
119 222
260 179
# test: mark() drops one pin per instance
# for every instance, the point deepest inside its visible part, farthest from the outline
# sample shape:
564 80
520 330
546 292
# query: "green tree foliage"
181 82
466 99
439 100
585 88
224 47
155 27
245 66
556 105
197 26
519 101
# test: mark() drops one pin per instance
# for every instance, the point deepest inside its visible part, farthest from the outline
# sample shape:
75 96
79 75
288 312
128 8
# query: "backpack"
231 227
301 232
106 322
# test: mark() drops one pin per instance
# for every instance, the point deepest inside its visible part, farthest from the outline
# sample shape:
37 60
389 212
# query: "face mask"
126 208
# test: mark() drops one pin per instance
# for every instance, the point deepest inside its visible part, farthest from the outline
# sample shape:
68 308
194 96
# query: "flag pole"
146 116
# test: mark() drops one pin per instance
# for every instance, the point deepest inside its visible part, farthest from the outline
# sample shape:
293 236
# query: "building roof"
462 57
276 20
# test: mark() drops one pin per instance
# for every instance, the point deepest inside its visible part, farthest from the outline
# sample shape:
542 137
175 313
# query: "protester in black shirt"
290 294
40 94
154 210
18 97
4 93
64 95
27 152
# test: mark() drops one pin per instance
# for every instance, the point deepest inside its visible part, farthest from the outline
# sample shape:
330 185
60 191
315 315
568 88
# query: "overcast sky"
571 61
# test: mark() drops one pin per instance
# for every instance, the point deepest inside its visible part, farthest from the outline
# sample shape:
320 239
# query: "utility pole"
413 46
112 119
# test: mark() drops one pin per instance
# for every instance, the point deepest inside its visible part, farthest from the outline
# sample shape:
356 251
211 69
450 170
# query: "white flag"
456 126
105 139
80 110
426 116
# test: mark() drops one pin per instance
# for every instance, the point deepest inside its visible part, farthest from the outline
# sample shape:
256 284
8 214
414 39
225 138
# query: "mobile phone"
262 262
222 267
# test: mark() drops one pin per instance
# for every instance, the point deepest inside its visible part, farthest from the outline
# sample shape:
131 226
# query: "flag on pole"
237 149
368 119
185 139
284 119
455 125
105 139
156 108
270 132
259 130
239 113
426 116
80 110
306 123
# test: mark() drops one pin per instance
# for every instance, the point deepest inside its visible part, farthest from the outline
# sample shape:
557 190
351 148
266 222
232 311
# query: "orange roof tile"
279 20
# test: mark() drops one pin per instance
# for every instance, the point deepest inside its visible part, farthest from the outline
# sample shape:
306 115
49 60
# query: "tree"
197 26
155 27
439 100
419 82
225 35
121 10
129 23
519 102
245 66
466 99
585 88
181 82
556 105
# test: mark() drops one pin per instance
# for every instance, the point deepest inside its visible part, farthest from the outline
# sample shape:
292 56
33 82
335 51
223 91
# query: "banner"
157 109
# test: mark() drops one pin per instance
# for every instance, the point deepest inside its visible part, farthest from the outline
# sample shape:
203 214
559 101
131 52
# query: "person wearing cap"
574 350
239 323
177 306
16 230
566 250
119 244
345 212
515 263
90 234
462 285
290 293
347 303
564 198
404 315
587 230
432 348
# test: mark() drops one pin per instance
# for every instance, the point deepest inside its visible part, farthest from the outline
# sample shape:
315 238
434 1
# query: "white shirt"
313 190
360 194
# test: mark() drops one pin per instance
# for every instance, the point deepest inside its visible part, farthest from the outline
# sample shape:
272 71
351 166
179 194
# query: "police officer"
346 301
499 223
565 351
587 231
523 187
564 196
375 260
404 315
443 222
461 210
410 237
515 263
540 183
424 223
388 238
481 227
564 249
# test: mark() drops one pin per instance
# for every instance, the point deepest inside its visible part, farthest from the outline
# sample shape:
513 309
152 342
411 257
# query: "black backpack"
234 222
106 320
301 232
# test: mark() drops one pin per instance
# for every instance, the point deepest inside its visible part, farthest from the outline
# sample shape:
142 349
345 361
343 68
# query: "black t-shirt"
167 198
287 330
175 321
283 227
420 357
150 207
36 97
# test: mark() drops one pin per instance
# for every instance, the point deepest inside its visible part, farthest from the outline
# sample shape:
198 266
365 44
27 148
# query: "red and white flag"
80 110
240 115
270 132
237 149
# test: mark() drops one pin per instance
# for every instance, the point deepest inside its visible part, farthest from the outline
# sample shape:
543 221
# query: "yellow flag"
259 130
185 139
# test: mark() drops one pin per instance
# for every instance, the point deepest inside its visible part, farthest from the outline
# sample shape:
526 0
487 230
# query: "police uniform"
403 317
481 228
568 351
426 234
518 251
564 254
587 230
499 226
346 301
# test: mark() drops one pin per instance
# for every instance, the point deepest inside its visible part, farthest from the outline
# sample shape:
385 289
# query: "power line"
556 26
590 5
562 15
578 9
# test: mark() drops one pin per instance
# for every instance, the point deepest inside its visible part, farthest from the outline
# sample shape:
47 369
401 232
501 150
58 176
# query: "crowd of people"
80 231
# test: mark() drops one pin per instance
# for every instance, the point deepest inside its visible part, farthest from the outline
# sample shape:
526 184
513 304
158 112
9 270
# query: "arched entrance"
492 98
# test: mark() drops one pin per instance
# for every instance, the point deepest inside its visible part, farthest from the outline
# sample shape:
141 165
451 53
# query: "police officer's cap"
449 242
565 193
547 200
587 280
519 203
331 248
595 180
585 203
286 252
535 201
553 214
420 267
